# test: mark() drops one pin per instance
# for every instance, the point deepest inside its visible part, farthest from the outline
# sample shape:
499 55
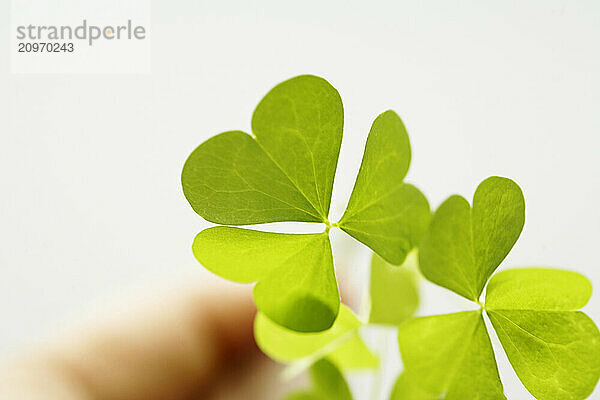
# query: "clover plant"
554 349
284 172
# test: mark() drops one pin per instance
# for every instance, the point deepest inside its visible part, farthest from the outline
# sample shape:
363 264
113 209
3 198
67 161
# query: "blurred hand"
195 346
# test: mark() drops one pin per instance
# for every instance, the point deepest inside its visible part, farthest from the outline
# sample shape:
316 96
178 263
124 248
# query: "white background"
91 205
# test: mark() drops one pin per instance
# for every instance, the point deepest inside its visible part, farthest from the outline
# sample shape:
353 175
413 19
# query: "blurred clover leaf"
394 293
285 172
341 344
328 383
554 349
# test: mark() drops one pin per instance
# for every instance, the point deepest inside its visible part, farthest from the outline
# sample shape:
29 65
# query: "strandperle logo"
85 31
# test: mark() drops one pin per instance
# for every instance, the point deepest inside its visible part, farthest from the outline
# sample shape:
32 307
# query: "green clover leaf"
340 344
285 172
452 355
537 289
383 212
328 383
554 349
394 292
299 125
465 245
296 282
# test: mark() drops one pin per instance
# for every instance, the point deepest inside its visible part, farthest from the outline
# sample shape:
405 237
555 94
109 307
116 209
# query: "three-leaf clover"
554 349
285 172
